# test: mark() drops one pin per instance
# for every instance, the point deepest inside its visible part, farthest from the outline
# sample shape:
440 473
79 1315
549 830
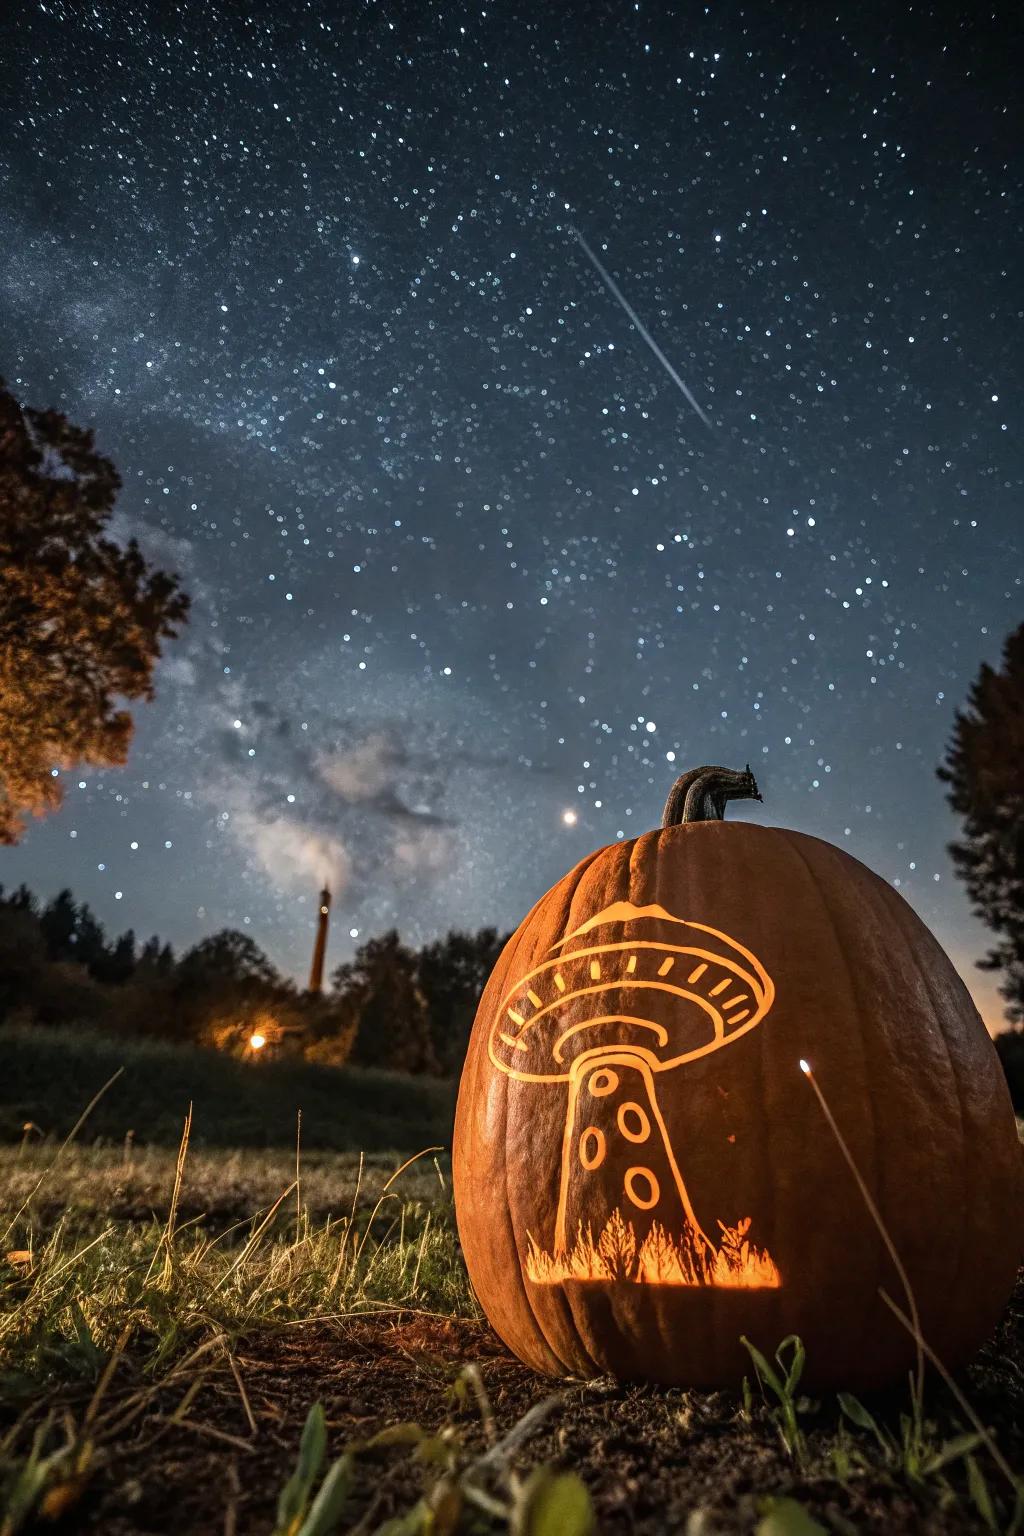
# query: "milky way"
463 557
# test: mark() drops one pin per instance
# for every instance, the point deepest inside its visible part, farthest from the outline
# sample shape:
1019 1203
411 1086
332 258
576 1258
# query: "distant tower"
316 972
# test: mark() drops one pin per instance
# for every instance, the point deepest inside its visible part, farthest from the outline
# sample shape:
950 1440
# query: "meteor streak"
617 293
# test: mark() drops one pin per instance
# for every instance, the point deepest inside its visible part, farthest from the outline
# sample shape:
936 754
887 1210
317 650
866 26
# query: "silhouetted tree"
228 955
71 933
453 972
81 618
91 943
381 985
22 958
58 924
117 964
1010 1050
984 767
155 959
220 982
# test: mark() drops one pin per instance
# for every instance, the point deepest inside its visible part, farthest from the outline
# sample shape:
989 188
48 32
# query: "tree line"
390 1006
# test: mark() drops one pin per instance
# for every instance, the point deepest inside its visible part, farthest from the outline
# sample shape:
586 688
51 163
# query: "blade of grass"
239 1383
298 1172
69 1138
986 1434
254 1239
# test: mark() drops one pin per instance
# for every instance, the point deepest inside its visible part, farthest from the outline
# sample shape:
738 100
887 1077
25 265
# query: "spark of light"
617 293
257 1041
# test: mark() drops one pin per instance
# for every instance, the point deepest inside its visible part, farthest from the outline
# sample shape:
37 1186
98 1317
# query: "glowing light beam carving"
566 1028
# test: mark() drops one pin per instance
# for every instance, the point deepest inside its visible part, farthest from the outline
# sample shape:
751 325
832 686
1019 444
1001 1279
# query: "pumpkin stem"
702 793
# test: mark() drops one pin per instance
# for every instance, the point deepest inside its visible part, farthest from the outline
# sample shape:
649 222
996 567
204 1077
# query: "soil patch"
651 1457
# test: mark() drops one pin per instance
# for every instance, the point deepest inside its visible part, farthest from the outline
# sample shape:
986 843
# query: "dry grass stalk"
69 1138
876 1217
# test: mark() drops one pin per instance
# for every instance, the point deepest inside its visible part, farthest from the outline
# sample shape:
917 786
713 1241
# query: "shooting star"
616 291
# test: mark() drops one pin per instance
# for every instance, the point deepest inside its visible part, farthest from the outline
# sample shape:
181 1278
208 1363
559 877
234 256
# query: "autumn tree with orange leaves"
82 618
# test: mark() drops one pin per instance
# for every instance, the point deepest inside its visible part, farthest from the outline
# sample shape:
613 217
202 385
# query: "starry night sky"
463 557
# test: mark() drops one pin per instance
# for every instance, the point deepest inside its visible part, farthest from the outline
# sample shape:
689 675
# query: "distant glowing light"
257 1041
570 818
805 1067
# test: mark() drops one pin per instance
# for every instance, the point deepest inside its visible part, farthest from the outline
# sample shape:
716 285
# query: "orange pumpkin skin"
861 990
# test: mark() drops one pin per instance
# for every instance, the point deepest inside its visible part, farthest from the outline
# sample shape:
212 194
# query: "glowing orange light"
562 1023
257 1041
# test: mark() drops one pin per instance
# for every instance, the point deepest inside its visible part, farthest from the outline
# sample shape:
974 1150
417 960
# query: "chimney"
316 971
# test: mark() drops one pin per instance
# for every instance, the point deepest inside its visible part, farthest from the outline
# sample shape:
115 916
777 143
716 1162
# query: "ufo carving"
608 1017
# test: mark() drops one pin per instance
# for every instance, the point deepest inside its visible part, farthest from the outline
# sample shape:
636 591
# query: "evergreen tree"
149 954
22 958
91 947
118 962
1010 1050
81 618
984 768
155 959
58 924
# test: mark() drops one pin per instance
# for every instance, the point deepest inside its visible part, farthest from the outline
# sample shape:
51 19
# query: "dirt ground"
651 1457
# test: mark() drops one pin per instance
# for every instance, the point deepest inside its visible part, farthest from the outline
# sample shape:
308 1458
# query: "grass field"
243 1341
49 1075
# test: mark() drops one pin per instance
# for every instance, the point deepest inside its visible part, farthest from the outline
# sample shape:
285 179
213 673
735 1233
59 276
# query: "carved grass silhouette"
659 1260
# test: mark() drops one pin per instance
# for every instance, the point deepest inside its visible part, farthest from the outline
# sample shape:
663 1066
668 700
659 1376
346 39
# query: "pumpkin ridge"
557 1295
663 838
468 1086
875 1176
522 1284
505 962
962 1118
783 1296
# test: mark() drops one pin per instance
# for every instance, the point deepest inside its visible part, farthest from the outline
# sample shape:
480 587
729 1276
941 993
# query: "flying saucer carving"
579 1018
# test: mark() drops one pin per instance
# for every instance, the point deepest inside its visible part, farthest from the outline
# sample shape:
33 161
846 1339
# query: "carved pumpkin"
642 1174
